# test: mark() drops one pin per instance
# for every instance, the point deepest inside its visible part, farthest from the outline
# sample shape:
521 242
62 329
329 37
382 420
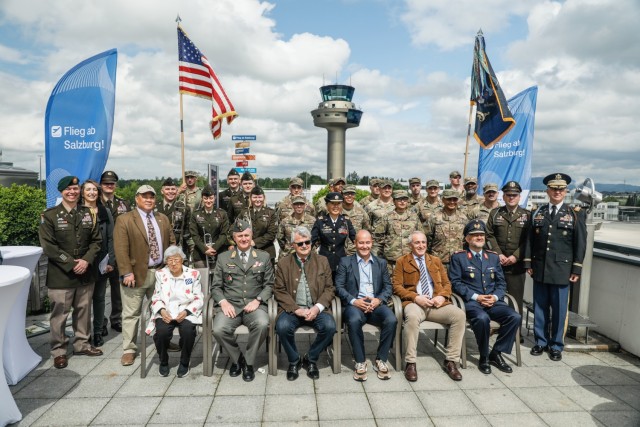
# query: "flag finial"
178 20
479 31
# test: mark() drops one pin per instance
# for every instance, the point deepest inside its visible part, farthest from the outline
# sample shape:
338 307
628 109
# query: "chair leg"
518 356
435 338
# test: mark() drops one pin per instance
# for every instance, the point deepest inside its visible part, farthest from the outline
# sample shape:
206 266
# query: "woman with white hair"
176 302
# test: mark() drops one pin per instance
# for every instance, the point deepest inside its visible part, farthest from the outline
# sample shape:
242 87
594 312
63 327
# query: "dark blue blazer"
348 279
469 276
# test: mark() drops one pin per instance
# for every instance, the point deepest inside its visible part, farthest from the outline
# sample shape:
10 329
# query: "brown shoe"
451 370
90 351
60 362
127 359
410 372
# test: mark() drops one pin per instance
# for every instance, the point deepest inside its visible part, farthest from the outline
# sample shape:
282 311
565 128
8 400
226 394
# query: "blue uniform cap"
475 226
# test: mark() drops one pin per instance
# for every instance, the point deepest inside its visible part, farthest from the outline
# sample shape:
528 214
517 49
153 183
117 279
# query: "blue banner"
79 121
510 158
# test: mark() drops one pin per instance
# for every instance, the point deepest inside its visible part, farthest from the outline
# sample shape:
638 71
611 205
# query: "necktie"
243 257
553 210
424 279
154 249
110 205
478 257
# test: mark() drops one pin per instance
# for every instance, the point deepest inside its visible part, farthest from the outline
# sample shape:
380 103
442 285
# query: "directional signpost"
241 154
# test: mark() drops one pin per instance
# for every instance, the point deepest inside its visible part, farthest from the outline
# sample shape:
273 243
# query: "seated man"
363 285
304 291
242 285
477 276
421 282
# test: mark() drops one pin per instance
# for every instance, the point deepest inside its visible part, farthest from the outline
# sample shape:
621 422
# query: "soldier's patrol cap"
491 186
190 173
67 181
557 180
470 179
145 189
334 181
433 183
400 194
333 197
415 181
450 193
512 187
240 225
233 171
207 191
169 182
454 174
298 199
385 183
475 226
257 191
108 177
246 177
349 189
374 182
296 181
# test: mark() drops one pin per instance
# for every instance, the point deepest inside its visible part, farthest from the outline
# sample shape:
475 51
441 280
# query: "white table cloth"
12 278
19 357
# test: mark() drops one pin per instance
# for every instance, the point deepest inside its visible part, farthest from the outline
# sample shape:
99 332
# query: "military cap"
246 177
334 181
433 183
475 226
450 193
257 191
190 173
240 225
145 189
400 194
207 191
169 182
296 181
108 177
67 181
233 171
414 181
298 199
333 197
349 189
385 183
557 180
512 187
454 174
374 182
470 179
491 186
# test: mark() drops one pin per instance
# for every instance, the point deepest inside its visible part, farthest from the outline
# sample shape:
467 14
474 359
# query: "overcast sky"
409 62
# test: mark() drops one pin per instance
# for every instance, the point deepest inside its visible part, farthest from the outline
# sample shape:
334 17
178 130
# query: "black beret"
258 191
169 182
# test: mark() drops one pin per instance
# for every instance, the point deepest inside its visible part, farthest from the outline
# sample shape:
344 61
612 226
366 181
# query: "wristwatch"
259 299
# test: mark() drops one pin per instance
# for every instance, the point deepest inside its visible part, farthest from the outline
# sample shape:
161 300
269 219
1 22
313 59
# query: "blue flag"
510 158
79 121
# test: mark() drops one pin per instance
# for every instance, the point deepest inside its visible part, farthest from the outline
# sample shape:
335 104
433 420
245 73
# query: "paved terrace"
584 389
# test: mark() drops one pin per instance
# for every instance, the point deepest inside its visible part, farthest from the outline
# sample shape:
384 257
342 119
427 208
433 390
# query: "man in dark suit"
364 286
477 277
140 238
553 257
304 291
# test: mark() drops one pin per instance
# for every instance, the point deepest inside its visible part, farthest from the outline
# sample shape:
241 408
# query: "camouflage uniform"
286 227
360 221
193 198
425 210
284 208
412 199
378 210
445 233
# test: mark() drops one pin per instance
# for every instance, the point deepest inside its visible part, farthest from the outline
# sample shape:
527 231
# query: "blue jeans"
381 316
287 324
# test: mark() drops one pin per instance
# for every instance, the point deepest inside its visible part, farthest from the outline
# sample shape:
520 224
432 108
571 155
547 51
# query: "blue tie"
424 279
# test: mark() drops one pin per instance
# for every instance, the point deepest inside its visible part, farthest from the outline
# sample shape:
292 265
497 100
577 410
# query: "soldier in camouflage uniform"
284 208
335 186
298 217
177 212
454 180
429 204
446 226
415 185
189 192
490 202
392 235
233 183
374 187
209 228
471 201
383 205
241 200
264 223
356 213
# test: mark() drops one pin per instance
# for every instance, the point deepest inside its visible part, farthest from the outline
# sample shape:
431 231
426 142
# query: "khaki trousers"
62 300
447 315
132 299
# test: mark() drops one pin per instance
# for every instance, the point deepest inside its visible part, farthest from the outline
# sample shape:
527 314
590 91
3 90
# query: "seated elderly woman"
176 302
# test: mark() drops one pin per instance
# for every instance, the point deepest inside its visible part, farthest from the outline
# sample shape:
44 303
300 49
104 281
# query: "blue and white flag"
510 158
79 122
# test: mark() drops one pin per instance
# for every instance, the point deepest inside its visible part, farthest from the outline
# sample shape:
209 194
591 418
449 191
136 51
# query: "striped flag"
196 77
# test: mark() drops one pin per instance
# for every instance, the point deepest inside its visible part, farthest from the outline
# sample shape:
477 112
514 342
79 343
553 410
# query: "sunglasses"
301 244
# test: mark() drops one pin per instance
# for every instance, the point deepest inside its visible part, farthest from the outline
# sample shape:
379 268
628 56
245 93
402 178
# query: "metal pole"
585 278
40 173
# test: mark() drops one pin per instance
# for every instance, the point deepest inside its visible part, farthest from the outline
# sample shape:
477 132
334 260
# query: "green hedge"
20 210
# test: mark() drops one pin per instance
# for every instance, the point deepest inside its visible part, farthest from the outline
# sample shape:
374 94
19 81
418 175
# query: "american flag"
196 77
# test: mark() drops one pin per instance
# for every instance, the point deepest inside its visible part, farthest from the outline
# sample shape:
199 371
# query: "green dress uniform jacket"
507 235
178 213
117 206
264 224
225 196
65 237
214 223
236 204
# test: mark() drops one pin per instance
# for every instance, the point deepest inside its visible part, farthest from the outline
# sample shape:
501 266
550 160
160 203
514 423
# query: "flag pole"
466 148
178 20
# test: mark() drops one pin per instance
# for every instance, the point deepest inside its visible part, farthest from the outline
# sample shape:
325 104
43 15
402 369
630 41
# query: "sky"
409 61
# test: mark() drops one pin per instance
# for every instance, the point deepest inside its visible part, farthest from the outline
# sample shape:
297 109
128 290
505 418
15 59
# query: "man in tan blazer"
140 238
421 282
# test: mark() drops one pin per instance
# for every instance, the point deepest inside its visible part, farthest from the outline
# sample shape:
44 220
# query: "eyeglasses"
174 260
301 244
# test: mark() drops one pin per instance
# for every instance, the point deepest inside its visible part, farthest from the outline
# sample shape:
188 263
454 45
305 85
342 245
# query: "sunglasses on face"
301 244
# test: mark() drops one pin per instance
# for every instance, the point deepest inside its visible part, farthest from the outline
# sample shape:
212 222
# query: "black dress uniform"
214 223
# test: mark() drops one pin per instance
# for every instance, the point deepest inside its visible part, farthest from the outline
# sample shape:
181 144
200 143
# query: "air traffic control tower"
336 113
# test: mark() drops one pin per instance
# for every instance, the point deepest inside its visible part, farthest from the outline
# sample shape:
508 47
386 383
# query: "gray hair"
415 233
174 250
302 231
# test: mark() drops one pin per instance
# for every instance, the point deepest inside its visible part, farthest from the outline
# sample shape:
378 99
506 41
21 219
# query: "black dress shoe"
312 371
98 341
236 368
484 365
555 355
247 373
537 350
495 358
116 327
292 372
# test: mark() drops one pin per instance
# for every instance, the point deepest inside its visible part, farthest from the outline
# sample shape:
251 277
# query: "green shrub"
20 210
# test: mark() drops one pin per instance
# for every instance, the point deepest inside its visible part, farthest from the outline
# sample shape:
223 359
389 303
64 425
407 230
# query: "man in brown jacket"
304 290
421 282
140 238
